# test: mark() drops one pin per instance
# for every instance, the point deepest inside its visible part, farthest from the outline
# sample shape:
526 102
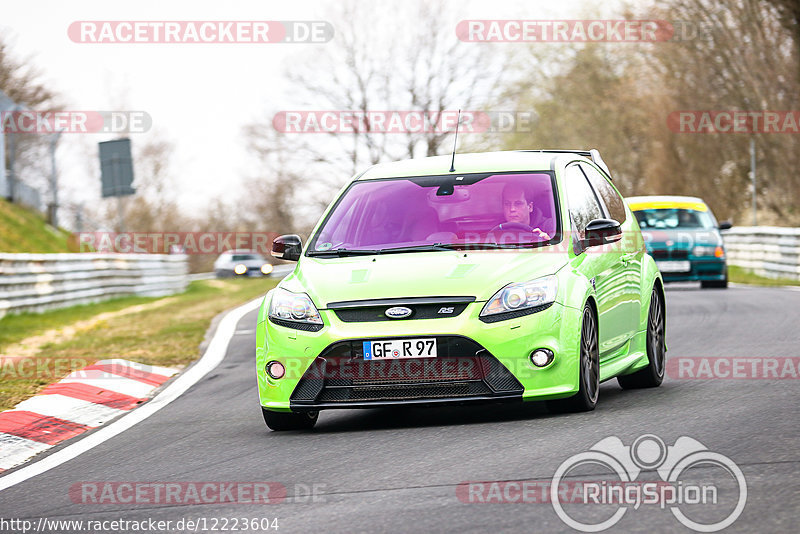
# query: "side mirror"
725 225
287 247
602 232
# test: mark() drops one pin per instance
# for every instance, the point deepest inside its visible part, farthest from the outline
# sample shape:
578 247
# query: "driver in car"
517 209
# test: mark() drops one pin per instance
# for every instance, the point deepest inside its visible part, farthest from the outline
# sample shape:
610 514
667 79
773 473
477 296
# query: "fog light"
240 269
276 370
541 357
266 268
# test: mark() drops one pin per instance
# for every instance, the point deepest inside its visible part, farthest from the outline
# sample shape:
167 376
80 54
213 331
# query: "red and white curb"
213 356
83 400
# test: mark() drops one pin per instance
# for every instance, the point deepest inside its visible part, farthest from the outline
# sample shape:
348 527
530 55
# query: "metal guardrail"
769 251
37 282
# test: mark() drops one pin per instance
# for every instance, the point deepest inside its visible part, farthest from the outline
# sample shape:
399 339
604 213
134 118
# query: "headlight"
521 297
240 269
708 250
266 268
293 307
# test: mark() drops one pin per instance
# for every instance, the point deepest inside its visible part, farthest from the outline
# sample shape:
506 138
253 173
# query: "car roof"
666 202
511 160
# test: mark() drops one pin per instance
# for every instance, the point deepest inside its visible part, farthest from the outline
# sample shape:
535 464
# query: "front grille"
365 311
463 369
408 392
670 254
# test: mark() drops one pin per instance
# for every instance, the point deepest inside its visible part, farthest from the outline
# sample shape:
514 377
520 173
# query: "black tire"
290 421
652 375
588 370
714 284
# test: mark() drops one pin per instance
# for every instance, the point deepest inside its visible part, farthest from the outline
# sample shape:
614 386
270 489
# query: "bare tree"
423 69
618 99
21 82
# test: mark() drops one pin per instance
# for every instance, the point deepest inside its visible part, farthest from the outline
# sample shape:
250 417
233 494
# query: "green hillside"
23 230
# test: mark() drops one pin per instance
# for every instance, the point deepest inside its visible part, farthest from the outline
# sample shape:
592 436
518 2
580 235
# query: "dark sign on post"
116 168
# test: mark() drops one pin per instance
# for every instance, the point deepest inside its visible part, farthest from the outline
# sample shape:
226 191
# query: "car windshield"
666 218
441 212
247 257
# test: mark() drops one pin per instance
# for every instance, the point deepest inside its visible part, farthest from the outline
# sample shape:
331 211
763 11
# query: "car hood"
419 274
681 239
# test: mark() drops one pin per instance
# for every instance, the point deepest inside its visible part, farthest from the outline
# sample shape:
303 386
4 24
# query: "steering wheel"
519 227
512 226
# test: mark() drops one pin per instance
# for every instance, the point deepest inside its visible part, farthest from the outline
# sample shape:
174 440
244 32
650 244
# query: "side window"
583 206
612 200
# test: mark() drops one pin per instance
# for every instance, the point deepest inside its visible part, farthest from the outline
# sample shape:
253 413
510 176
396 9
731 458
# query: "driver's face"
516 209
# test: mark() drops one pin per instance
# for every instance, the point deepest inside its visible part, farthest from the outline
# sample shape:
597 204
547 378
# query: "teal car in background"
684 238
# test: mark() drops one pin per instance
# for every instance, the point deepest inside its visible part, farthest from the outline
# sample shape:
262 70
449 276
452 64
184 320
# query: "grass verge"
739 275
168 334
24 230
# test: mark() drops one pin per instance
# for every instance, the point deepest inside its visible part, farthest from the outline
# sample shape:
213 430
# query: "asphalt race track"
400 470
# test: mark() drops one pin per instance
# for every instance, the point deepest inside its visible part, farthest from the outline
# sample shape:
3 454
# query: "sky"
199 96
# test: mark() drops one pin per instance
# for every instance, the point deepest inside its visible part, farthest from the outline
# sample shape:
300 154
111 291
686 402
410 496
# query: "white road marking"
245 332
70 409
14 450
213 356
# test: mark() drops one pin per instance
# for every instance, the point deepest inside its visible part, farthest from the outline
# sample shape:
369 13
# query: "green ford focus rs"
518 276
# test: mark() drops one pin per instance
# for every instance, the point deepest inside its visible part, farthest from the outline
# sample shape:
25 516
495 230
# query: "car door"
629 251
605 270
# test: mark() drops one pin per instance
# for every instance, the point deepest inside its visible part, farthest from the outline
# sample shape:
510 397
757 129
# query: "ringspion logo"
685 490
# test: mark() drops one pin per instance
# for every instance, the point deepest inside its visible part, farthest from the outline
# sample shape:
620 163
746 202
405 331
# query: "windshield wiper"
419 248
446 246
341 252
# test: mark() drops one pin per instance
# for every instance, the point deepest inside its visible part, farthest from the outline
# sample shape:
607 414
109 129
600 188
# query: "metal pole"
54 179
12 179
6 190
753 177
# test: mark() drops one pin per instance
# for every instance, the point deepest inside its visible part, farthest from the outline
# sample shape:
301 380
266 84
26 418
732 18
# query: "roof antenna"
455 139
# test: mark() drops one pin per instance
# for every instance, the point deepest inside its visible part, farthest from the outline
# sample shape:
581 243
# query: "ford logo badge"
398 312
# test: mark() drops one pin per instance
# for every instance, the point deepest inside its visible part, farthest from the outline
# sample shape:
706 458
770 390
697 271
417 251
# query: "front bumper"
701 269
493 359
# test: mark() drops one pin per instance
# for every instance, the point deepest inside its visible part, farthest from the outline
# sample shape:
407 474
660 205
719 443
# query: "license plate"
400 348
674 266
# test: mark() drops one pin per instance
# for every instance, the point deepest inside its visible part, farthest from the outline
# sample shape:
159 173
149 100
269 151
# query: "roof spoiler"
592 154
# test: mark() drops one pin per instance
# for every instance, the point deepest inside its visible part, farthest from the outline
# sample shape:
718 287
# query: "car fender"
575 289
649 276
